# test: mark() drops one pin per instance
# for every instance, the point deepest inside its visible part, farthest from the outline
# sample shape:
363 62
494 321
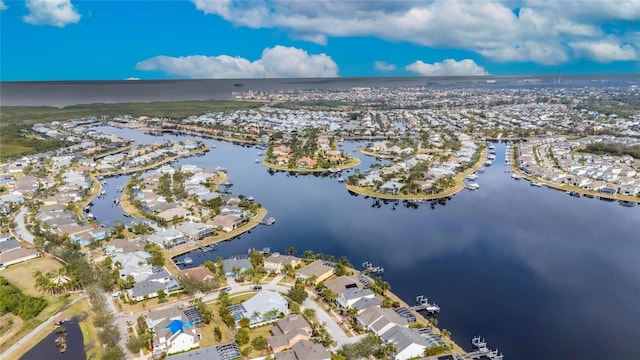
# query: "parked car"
257 287
225 289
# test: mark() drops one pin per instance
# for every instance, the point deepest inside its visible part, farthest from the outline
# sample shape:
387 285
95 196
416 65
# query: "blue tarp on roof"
176 326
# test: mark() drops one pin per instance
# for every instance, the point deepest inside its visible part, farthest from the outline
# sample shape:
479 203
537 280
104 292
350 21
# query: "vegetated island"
419 169
309 151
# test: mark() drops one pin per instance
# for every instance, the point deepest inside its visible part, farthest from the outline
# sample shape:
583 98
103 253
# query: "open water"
538 273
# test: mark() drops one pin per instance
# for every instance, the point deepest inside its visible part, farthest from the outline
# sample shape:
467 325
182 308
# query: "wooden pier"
370 269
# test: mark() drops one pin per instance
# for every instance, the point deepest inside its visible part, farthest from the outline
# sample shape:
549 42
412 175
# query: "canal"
50 348
538 273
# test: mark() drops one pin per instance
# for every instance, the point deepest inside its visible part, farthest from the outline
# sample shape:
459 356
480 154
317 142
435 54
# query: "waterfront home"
168 238
379 320
195 231
265 307
227 223
238 263
200 273
288 331
318 271
177 212
306 350
341 283
408 342
276 263
358 299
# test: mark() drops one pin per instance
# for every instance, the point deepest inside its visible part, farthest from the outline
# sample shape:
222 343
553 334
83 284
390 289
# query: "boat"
516 176
270 221
341 179
472 186
537 184
187 260
627 203
238 85
472 177
488 163
491 157
250 198
257 161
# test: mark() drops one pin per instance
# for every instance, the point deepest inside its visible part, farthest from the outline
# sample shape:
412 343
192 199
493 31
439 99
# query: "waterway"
48 350
538 273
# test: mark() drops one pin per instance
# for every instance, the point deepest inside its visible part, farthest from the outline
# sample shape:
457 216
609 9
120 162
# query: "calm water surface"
539 274
48 350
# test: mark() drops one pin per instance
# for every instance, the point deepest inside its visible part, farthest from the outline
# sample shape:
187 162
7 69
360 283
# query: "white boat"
516 176
472 177
187 260
341 179
257 161
250 198
472 186
488 163
491 157
537 184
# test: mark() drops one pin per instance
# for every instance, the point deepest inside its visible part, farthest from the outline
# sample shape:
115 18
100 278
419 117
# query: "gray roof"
8 245
366 303
355 293
402 337
241 263
306 350
146 287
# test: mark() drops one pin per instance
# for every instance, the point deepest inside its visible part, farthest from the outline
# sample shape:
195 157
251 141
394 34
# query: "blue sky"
115 40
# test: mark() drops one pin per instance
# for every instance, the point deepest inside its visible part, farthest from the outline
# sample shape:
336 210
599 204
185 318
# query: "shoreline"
566 187
353 162
220 237
459 179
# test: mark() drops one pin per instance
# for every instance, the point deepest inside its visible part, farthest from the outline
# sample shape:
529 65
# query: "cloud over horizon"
51 12
448 67
383 66
527 31
275 62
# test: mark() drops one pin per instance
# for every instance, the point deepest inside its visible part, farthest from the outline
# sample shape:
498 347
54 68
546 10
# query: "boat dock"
268 221
424 305
482 351
369 268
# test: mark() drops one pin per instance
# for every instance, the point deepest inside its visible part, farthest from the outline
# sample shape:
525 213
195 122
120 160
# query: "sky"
118 40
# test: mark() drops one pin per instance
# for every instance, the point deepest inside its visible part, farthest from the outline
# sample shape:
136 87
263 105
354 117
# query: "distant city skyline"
101 40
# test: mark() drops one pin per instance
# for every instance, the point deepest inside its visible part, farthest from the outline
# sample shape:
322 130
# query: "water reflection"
63 343
517 264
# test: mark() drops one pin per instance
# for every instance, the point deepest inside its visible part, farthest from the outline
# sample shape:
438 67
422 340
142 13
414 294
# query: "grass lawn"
21 275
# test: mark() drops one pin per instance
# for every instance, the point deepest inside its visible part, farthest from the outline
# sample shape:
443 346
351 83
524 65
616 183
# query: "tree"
309 314
297 293
244 322
242 337
259 343
290 250
217 334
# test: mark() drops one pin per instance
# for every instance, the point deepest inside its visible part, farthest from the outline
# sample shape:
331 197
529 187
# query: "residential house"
196 231
408 342
306 350
17 255
379 320
339 284
238 263
357 299
174 334
200 273
276 263
266 306
318 270
288 331
228 223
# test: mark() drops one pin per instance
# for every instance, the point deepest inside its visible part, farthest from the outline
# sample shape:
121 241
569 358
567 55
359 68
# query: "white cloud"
383 66
605 51
132 78
527 30
278 61
448 67
3 6
51 12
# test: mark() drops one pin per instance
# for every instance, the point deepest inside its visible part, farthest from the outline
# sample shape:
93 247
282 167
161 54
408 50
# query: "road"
334 329
20 230
35 331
